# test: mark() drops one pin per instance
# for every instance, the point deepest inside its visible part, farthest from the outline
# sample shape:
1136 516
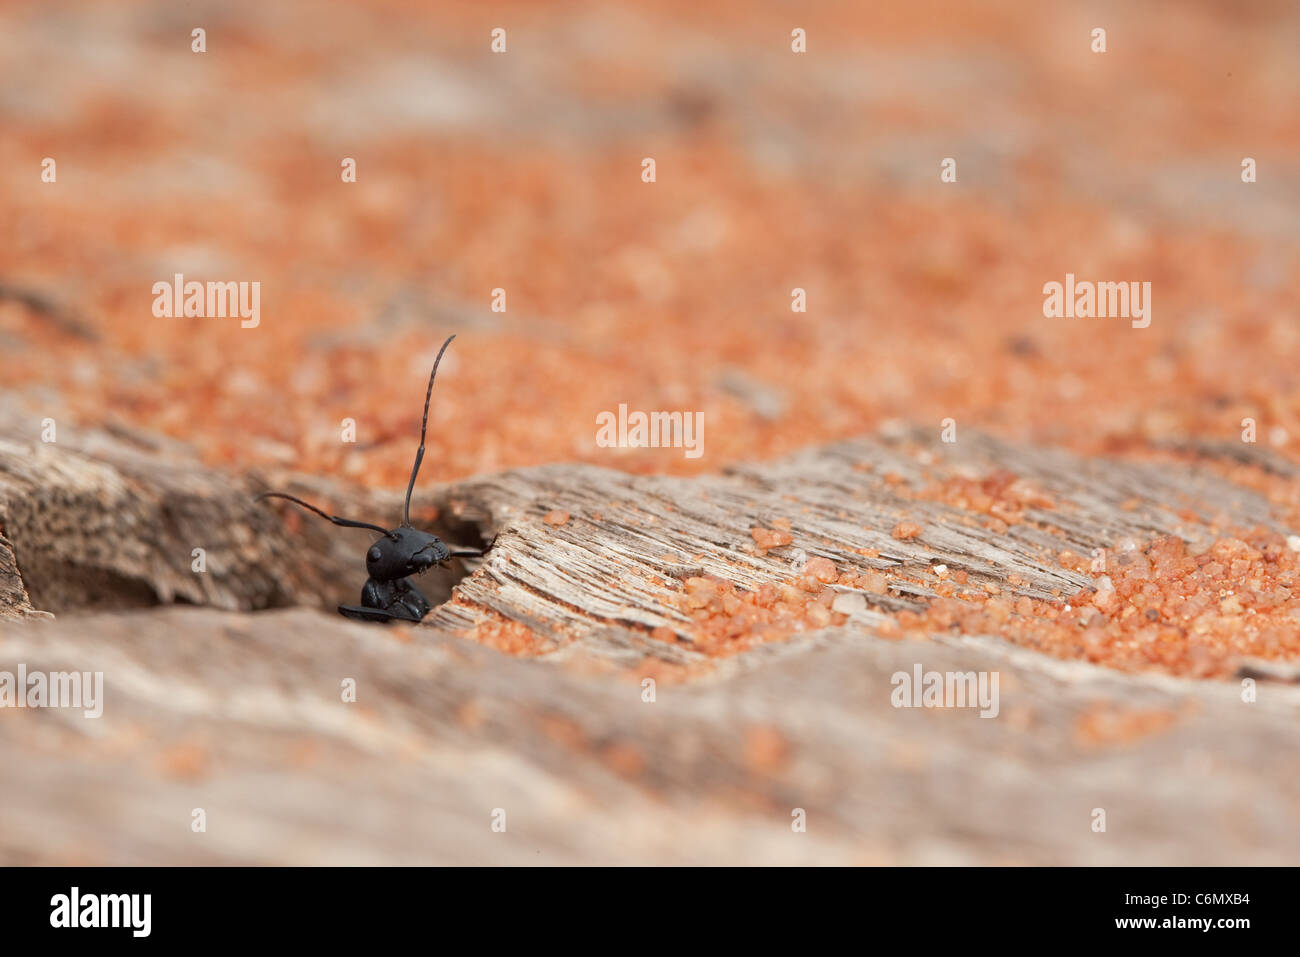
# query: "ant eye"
375 554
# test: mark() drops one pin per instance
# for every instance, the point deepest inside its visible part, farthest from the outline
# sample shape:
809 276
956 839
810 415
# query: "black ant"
403 551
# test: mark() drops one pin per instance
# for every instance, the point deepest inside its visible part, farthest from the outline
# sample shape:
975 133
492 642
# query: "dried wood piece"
14 602
243 716
246 720
104 522
609 573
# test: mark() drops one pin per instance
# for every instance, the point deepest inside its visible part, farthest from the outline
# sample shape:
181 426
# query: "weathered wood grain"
111 520
241 714
100 522
14 602
631 539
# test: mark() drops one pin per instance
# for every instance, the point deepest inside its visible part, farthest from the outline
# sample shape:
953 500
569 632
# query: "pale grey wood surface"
241 714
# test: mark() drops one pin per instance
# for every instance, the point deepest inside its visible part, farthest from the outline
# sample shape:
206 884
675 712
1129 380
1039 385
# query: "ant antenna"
333 518
419 455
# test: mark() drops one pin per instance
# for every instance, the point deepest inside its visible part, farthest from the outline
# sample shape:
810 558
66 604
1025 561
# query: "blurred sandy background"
775 170
522 171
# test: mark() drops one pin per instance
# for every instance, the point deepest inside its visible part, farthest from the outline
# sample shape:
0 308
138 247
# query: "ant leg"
383 601
411 598
376 594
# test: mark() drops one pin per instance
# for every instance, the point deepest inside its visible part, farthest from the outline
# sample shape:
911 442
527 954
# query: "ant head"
404 551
